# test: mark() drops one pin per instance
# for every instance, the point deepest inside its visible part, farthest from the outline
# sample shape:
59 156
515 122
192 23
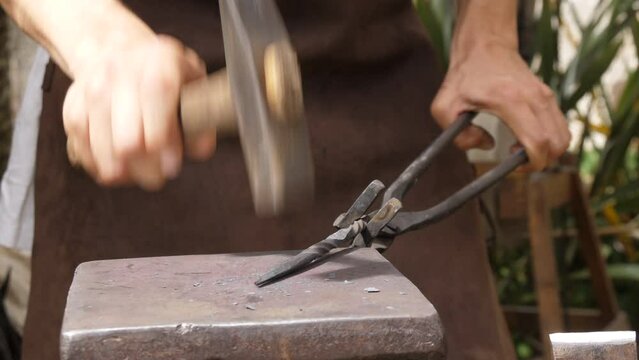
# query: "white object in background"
604 345
17 298
16 189
504 140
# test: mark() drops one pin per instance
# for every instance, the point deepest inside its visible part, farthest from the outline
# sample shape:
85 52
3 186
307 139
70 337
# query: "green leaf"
625 198
623 131
617 272
629 98
546 41
590 75
438 18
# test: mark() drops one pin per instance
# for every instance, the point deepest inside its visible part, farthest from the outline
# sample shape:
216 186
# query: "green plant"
438 18
624 118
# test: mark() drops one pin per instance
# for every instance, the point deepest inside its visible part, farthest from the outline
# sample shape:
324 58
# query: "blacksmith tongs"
360 228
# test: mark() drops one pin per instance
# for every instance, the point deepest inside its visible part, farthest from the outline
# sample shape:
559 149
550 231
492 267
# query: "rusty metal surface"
355 306
611 345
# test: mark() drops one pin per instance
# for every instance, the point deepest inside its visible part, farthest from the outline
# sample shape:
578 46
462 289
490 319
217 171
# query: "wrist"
484 25
462 49
77 32
98 33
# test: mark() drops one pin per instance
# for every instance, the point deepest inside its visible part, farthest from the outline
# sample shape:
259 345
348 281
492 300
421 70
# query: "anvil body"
355 305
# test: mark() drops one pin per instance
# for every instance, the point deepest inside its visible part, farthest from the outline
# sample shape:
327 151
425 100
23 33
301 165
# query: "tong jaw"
360 206
378 222
374 222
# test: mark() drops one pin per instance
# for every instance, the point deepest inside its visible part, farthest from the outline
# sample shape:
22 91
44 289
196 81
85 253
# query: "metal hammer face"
259 94
356 306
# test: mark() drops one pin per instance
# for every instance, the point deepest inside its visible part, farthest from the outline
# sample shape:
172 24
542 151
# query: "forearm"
484 22
75 31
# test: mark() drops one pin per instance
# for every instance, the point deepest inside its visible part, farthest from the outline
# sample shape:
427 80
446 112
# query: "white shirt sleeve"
17 187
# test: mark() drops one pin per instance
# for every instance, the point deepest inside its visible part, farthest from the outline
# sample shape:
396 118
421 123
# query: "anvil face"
355 305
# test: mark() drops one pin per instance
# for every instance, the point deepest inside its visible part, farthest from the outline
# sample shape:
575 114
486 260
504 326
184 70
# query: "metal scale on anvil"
345 300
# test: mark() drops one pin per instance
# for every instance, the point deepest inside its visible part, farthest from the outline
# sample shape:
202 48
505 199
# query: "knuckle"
540 141
201 66
202 147
437 109
159 139
546 93
538 161
539 165
506 91
73 120
169 43
152 186
556 150
562 145
162 82
98 86
108 178
166 82
73 114
108 172
126 146
542 100
444 108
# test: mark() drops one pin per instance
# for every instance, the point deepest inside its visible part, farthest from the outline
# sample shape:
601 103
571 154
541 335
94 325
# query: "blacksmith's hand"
486 73
120 113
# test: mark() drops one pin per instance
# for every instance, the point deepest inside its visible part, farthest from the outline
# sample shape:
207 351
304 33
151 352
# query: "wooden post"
591 251
544 265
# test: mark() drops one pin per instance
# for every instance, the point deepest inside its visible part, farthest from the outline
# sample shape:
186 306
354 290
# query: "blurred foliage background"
606 144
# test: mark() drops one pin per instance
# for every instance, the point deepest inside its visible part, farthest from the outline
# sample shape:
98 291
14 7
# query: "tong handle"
409 176
407 221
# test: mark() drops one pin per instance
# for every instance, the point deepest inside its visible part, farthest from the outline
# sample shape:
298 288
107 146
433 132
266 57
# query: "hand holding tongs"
360 228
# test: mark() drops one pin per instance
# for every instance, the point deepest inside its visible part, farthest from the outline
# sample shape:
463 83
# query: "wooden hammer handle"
206 105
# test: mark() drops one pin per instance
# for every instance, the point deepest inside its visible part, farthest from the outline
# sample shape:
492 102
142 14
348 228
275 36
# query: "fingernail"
170 163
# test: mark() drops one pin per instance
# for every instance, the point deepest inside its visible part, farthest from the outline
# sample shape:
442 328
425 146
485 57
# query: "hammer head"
206 307
265 84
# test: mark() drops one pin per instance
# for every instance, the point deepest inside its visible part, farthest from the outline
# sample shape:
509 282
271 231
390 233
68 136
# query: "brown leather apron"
369 76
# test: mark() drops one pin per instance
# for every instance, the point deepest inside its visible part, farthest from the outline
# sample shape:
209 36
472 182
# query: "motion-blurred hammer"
259 95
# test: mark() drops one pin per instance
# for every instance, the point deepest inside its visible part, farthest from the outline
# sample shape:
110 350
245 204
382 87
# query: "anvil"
355 306
602 345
